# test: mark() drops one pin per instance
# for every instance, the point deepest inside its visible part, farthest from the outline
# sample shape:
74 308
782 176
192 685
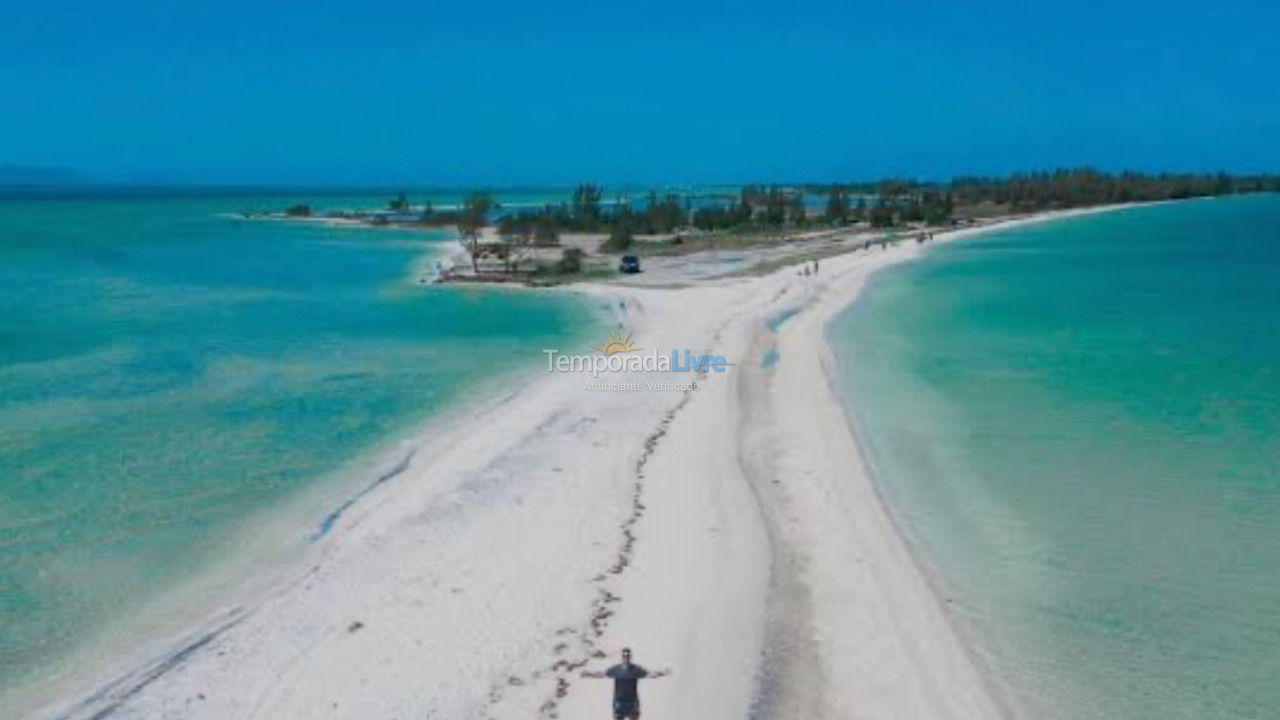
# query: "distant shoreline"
504 259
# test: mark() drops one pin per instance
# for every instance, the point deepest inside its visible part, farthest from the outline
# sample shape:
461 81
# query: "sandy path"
732 533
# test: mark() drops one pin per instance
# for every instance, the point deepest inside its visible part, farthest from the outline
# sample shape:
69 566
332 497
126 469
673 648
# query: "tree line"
883 204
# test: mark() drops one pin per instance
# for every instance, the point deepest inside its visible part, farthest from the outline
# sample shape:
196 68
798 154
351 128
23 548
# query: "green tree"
797 215
477 205
586 205
620 238
545 233
471 219
882 215
912 210
663 215
571 261
837 211
775 206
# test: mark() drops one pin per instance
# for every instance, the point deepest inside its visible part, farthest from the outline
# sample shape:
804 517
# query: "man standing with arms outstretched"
626 677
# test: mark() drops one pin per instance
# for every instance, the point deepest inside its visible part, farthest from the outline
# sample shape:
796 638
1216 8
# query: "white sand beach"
731 533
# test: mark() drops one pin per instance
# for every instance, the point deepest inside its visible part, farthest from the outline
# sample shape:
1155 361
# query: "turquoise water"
167 374
1078 423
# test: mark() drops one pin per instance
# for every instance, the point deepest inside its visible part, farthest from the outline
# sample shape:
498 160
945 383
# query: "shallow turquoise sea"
169 375
1078 425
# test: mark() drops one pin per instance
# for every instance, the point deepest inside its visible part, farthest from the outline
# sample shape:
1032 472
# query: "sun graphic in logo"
615 344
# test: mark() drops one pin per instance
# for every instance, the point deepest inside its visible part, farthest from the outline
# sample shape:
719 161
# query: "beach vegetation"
837 211
473 217
775 206
620 238
586 206
545 232
882 215
571 261
797 214
758 213
663 215
476 207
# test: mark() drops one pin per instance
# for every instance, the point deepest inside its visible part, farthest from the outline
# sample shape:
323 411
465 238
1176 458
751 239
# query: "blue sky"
420 92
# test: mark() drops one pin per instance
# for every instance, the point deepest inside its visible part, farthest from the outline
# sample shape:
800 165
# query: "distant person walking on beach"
626 676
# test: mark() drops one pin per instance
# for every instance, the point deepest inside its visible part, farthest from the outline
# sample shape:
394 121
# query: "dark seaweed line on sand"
331 519
601 611
105 701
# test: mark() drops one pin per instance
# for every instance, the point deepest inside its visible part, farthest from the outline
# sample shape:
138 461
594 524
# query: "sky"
419 92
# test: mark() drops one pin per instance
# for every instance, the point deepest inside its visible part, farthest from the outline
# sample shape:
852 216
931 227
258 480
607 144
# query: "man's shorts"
625 709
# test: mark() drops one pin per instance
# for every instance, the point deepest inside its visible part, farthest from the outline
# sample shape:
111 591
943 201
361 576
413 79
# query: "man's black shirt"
625 679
